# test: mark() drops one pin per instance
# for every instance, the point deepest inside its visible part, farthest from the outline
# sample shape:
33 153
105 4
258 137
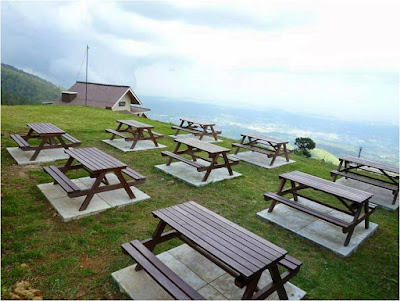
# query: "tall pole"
87 62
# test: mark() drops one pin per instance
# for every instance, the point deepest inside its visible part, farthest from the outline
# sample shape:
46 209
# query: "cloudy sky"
330 58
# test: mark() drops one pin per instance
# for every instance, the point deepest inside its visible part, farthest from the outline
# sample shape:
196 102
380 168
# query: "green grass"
74 260
321 154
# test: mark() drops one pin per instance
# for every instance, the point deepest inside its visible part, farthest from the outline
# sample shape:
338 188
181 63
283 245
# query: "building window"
122 103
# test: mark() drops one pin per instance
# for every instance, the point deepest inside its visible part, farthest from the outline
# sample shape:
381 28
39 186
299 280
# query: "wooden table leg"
366 212
280 188
92 191
277 148
204 132
190 152
295 197
227 164
276 278
210 168
338 169
213 133
124 184
152 137
39 148
117 129
241 142
286 152
178 145
62 142
155 237
137 138
354 224
181 125
251 288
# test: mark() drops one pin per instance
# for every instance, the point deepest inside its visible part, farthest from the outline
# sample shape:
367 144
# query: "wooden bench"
364 180
183 159
114 132
255 149
61 179
193 131
22 143
139 178
164 276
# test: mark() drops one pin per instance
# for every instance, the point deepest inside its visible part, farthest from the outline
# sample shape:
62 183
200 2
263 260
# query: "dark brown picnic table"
349 165
98 164
197 128
236 250
136 129
265 145
50 137
354 201
194 146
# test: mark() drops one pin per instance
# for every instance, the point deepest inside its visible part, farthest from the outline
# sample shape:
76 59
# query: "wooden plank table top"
333 188
201 123
236 247
95 160
204 146
136 124
370 163
261 138
45 128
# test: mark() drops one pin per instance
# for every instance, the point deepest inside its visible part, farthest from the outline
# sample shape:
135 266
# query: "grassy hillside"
74 260
321 154
19 87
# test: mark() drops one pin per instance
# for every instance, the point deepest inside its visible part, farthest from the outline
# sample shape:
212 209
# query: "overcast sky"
331 58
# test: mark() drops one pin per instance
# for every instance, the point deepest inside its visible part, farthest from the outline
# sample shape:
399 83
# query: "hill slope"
19 87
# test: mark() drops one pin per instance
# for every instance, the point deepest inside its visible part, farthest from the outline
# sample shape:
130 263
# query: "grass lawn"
74 260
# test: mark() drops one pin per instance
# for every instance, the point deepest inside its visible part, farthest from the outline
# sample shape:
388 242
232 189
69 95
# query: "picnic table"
98 164
236 250
137 130
50 137
265 145
194 146
354 201
348 167
197 128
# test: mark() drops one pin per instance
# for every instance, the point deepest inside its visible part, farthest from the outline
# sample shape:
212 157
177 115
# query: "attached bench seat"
365 180
267 152
164 276
157 135
193 130
61 179
22 143
139 178
183 159
114 132
73 140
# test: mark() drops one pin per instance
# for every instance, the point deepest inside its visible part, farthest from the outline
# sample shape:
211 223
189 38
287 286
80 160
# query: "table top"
136 124
202 145
332 188
45 128
196 121
265 138
236 247
370 163
94 159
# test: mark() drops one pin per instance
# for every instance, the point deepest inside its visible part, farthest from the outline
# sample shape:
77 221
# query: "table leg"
366 212
92 191
191 153
396 194
175 151
204 132
276 278
227 164
181 125
152 137
62 142
354 224
117 129
295 197
280 188
210 168
213 133
277 148
39 148
338 169
137 138
241 142
30 132
124 184
286 152
155 237
251 288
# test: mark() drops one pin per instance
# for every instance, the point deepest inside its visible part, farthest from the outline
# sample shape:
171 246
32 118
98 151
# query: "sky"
337 58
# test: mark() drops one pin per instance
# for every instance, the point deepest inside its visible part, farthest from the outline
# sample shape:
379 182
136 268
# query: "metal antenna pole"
359 151
87 62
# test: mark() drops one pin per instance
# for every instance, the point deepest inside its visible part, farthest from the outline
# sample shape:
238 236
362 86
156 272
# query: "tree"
304 145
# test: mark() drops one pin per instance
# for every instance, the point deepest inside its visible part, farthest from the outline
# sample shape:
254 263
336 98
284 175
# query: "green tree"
304 145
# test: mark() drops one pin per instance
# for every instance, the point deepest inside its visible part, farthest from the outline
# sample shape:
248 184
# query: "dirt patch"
23 290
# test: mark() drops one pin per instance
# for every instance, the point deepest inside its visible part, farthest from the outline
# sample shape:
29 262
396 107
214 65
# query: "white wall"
127 106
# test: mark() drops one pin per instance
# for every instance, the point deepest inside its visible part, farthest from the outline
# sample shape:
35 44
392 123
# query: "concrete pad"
23 157
57 153
383 198
209 139
260 159
191 267
189 174
125 146
316 230
68 208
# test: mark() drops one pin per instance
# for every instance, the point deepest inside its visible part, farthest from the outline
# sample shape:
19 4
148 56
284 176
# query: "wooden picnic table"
236 250
98 164
265 145
50 137
197 128
348 167
137 130
354 201
194 146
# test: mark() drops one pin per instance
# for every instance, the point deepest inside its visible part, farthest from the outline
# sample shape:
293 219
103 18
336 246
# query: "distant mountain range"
19 87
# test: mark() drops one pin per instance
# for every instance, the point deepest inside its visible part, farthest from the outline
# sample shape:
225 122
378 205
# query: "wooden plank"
61 179
204 146
265 138
45 128
182 159
72 139
116 133
371 163
22 143
197 122
364 180
269 153
136 124
133 174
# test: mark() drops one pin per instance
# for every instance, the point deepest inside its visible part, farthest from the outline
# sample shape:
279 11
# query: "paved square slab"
68 208
260 159
200 273
125 146
316 230
209 139
48 155
190 175
383 198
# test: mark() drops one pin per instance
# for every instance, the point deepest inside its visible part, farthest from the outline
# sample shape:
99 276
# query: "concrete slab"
209 139
68 208
318 231
125 146
189 174
57 153
383 198
23 157
191 267
260 159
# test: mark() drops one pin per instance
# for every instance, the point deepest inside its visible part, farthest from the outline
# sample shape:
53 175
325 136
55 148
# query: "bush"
304 145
